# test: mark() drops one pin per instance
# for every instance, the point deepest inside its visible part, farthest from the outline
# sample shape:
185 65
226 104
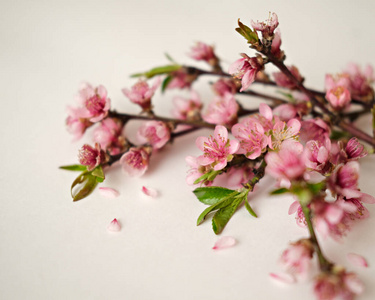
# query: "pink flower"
135 161
252 138
222 111
108 135
288 163
246 69
360 213
187 109
218 150
296 259
155 133
339 97
338 285
141 93
331 218
202 51
196 170
354 149
75 123
282 132
360 82
344 180
91 157
224 85
267 27
314 129
282 80
285 112
295 207
181 79
317 155
95 102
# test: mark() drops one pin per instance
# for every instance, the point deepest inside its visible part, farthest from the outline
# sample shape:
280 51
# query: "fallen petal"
108 192
283 278
114 226
150 192
224 242
357 260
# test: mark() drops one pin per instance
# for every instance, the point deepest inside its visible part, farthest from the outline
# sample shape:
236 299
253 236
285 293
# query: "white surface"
52 248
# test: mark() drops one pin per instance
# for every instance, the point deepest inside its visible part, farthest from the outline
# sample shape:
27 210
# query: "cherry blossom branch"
334 119
325 264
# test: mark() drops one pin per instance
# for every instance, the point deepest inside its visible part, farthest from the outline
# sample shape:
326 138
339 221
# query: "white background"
52 248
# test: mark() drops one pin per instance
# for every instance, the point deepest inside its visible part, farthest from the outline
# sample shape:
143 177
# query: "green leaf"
247 33
210 176
98 179
79 168
170 58
222 217
223 203
212 194
337 135
98 172
279 191
250 210
159 71
165 83
83 185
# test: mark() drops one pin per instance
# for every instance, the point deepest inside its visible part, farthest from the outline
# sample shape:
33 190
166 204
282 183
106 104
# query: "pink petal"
108 192
224 242
248 79
221 132
114 226
366 198
282 277
266 111
150 192
293 207
294 126
357 260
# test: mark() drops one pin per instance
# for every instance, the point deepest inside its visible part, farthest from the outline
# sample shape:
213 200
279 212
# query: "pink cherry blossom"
109 135
187 109
317 155
246 69
288 163
181 79
224 85
108 192
360 213
95 102
76 123
149 192
155 133
296 259
202 51
295 207
340 285
314 129
360 82
114 226
91 157
135 161
267 27
331 218
282 80
141 93
354 149
344 180
224 242
282 132
339 97
285 112
332 82
218 150
252 138
222 111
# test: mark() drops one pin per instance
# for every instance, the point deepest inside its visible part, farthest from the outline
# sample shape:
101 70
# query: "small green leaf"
165 83
212 194
170 58
83 185
279 191
250 210
98 172
98 179
210 176
222 217
337 135
223 203
79 168
159 71
247 33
